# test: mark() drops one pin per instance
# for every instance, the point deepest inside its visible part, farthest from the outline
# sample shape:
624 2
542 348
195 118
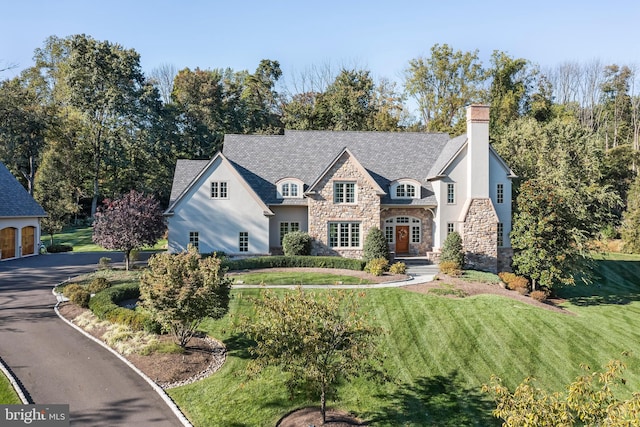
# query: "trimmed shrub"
104 263
296 243
398 268
294 261
506 277
452 250
80 297
539 295
98 284
375 245
377 266
71 288
450 268
59 248
104 306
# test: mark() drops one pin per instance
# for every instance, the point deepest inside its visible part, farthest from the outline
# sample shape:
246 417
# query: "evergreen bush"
293 261
375 245
296 243
452 249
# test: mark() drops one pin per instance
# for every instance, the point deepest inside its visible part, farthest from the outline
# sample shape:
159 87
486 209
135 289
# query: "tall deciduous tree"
315 339
630 230
443 84
182 289
128 223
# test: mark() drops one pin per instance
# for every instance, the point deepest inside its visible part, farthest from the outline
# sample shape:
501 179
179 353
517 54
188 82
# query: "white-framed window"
289 189
500 234
344 192
194 239
451 193
344 234
450 228
288 227
406 191
500 193
415 228
219 190
243 241
388 233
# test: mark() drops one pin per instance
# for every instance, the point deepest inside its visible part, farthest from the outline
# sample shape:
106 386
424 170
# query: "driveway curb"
15 383
170 403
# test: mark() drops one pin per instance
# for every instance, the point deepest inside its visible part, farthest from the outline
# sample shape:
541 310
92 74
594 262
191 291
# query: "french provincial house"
20 218
415 187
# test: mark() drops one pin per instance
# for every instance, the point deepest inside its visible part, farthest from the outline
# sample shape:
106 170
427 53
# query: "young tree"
128 223
375 245
182 289
317 339
452 249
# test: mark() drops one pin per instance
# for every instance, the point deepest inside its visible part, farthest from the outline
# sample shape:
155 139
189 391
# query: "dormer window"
405 190
290 189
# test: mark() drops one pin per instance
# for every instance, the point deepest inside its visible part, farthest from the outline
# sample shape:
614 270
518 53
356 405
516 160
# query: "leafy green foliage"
377 266
315 339
79 296
105 306
375 245
398 268
591 400
128 223
296 243
59 248
452 250
450 268
180 290
98 284
294 261
630 231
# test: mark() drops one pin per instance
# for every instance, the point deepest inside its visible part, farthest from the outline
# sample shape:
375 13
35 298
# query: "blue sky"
381 36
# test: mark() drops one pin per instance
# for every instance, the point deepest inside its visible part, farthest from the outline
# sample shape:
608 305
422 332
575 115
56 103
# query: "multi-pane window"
289 189
388 232
243 241
415 230
219 190
344 234
405 191
450 228
451 193
500 193
500 234
288 227
194 239
344 192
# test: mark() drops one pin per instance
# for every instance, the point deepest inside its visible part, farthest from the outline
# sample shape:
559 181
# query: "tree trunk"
127 254
323 403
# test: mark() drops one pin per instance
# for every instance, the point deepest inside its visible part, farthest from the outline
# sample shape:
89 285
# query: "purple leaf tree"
130 222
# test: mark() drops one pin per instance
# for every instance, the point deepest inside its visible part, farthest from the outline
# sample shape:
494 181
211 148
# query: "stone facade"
323 210
426 221
505 256
480 235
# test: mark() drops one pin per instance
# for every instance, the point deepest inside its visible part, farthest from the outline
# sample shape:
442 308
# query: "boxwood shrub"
294 261
104 306
59 248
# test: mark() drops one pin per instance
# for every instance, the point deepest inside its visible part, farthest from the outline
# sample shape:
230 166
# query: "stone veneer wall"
480 236
426 218
505 256
322 210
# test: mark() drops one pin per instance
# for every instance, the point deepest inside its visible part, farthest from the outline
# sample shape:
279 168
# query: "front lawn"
80 239
8 395
438 352
297 278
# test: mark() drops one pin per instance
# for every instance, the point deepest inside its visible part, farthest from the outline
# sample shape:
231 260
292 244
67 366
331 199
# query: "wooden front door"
402 239
8 242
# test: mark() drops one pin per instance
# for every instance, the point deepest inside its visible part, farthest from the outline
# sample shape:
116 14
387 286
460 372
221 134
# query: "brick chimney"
478 151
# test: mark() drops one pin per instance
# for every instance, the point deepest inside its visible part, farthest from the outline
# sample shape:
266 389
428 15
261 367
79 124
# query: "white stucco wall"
219 221
18 224
498 175
456 174
290 214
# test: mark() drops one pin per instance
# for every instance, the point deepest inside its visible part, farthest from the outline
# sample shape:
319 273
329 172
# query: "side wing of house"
218 211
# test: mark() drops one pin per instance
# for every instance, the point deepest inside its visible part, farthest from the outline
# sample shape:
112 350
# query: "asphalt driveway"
58 365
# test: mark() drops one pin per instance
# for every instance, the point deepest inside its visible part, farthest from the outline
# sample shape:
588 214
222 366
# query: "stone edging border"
15 383
170 403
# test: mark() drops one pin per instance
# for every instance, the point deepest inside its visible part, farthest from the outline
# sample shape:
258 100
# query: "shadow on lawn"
614 283
238 345
436 401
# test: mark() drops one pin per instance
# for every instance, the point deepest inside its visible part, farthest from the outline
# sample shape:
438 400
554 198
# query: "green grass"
80 239
480 276
297 278
8 395
438 352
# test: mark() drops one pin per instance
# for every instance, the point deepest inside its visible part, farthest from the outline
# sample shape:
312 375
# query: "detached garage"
19 218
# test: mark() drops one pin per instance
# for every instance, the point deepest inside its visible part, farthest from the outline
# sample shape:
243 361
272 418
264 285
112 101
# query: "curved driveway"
56 364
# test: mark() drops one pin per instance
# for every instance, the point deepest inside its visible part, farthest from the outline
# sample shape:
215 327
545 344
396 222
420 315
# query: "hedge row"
104 306
294 261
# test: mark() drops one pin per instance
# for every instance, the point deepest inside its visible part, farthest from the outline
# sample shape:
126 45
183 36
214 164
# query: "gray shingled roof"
15 201
449 150
263 160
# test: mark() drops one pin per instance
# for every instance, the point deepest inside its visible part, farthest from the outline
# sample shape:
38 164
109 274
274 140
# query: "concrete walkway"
56 364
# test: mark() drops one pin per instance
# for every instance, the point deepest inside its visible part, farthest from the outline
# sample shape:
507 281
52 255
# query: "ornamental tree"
180 290
315 339
130 222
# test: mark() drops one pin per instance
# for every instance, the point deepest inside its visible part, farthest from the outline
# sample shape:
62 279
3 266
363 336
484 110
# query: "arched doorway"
8 243
403 232
28 240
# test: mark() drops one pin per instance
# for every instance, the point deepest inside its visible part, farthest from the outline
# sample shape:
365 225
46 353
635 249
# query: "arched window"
414 224
289 189
405 189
